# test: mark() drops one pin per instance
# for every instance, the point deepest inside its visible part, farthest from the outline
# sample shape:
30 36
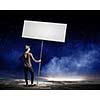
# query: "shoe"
26 85
31 83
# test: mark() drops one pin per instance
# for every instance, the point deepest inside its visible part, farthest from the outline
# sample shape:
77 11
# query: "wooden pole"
40 63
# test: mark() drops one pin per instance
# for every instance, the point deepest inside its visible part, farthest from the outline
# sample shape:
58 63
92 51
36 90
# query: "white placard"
44 31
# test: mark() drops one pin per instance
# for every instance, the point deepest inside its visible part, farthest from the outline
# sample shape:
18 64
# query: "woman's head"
27 48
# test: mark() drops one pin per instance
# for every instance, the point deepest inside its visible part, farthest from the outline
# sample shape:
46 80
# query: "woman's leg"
32 74
25 73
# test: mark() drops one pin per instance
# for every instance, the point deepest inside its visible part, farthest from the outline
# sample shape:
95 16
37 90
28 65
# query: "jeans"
26 70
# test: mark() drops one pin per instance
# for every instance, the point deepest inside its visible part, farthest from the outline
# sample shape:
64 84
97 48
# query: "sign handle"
40 63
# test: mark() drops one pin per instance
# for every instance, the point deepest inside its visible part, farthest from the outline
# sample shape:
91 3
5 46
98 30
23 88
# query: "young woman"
27 56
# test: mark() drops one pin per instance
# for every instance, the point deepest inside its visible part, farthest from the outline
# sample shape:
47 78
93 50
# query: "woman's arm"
37 61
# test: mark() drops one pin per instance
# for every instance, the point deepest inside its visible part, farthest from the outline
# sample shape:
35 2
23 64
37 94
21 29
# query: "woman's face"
28 49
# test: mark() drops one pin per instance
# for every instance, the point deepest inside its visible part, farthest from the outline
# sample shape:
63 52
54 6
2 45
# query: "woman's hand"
39 60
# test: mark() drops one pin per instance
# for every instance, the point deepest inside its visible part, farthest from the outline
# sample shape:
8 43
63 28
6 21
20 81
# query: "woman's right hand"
39 61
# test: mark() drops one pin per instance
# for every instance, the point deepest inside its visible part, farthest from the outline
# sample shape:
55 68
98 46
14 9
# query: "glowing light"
64 78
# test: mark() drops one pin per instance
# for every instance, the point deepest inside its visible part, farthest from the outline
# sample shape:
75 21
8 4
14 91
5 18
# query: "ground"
19 84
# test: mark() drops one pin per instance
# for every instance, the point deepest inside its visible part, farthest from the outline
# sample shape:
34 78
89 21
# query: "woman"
28 65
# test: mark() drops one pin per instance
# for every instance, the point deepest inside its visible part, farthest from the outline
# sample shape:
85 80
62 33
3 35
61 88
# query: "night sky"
79 55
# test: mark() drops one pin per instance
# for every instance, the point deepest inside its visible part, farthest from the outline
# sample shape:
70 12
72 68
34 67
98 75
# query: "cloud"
81 61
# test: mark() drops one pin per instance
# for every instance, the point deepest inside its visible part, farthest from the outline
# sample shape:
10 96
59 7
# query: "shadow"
31 85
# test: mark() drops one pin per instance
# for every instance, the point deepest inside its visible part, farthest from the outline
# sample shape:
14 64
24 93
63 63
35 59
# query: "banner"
44 31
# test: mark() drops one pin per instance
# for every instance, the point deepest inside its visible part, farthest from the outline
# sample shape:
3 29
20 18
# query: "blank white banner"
44 31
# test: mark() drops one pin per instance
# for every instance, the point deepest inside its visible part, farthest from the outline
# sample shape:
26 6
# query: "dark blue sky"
79 55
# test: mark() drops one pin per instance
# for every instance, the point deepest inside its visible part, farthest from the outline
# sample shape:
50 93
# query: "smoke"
73 65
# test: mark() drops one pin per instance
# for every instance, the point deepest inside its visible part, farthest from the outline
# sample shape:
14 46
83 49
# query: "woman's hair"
26 47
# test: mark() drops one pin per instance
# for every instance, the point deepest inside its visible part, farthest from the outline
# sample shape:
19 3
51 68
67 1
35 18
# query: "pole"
40 63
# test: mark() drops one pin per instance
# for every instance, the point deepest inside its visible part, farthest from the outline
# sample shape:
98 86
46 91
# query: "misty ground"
19 84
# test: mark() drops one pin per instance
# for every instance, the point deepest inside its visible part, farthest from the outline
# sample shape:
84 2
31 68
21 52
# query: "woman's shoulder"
30 53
